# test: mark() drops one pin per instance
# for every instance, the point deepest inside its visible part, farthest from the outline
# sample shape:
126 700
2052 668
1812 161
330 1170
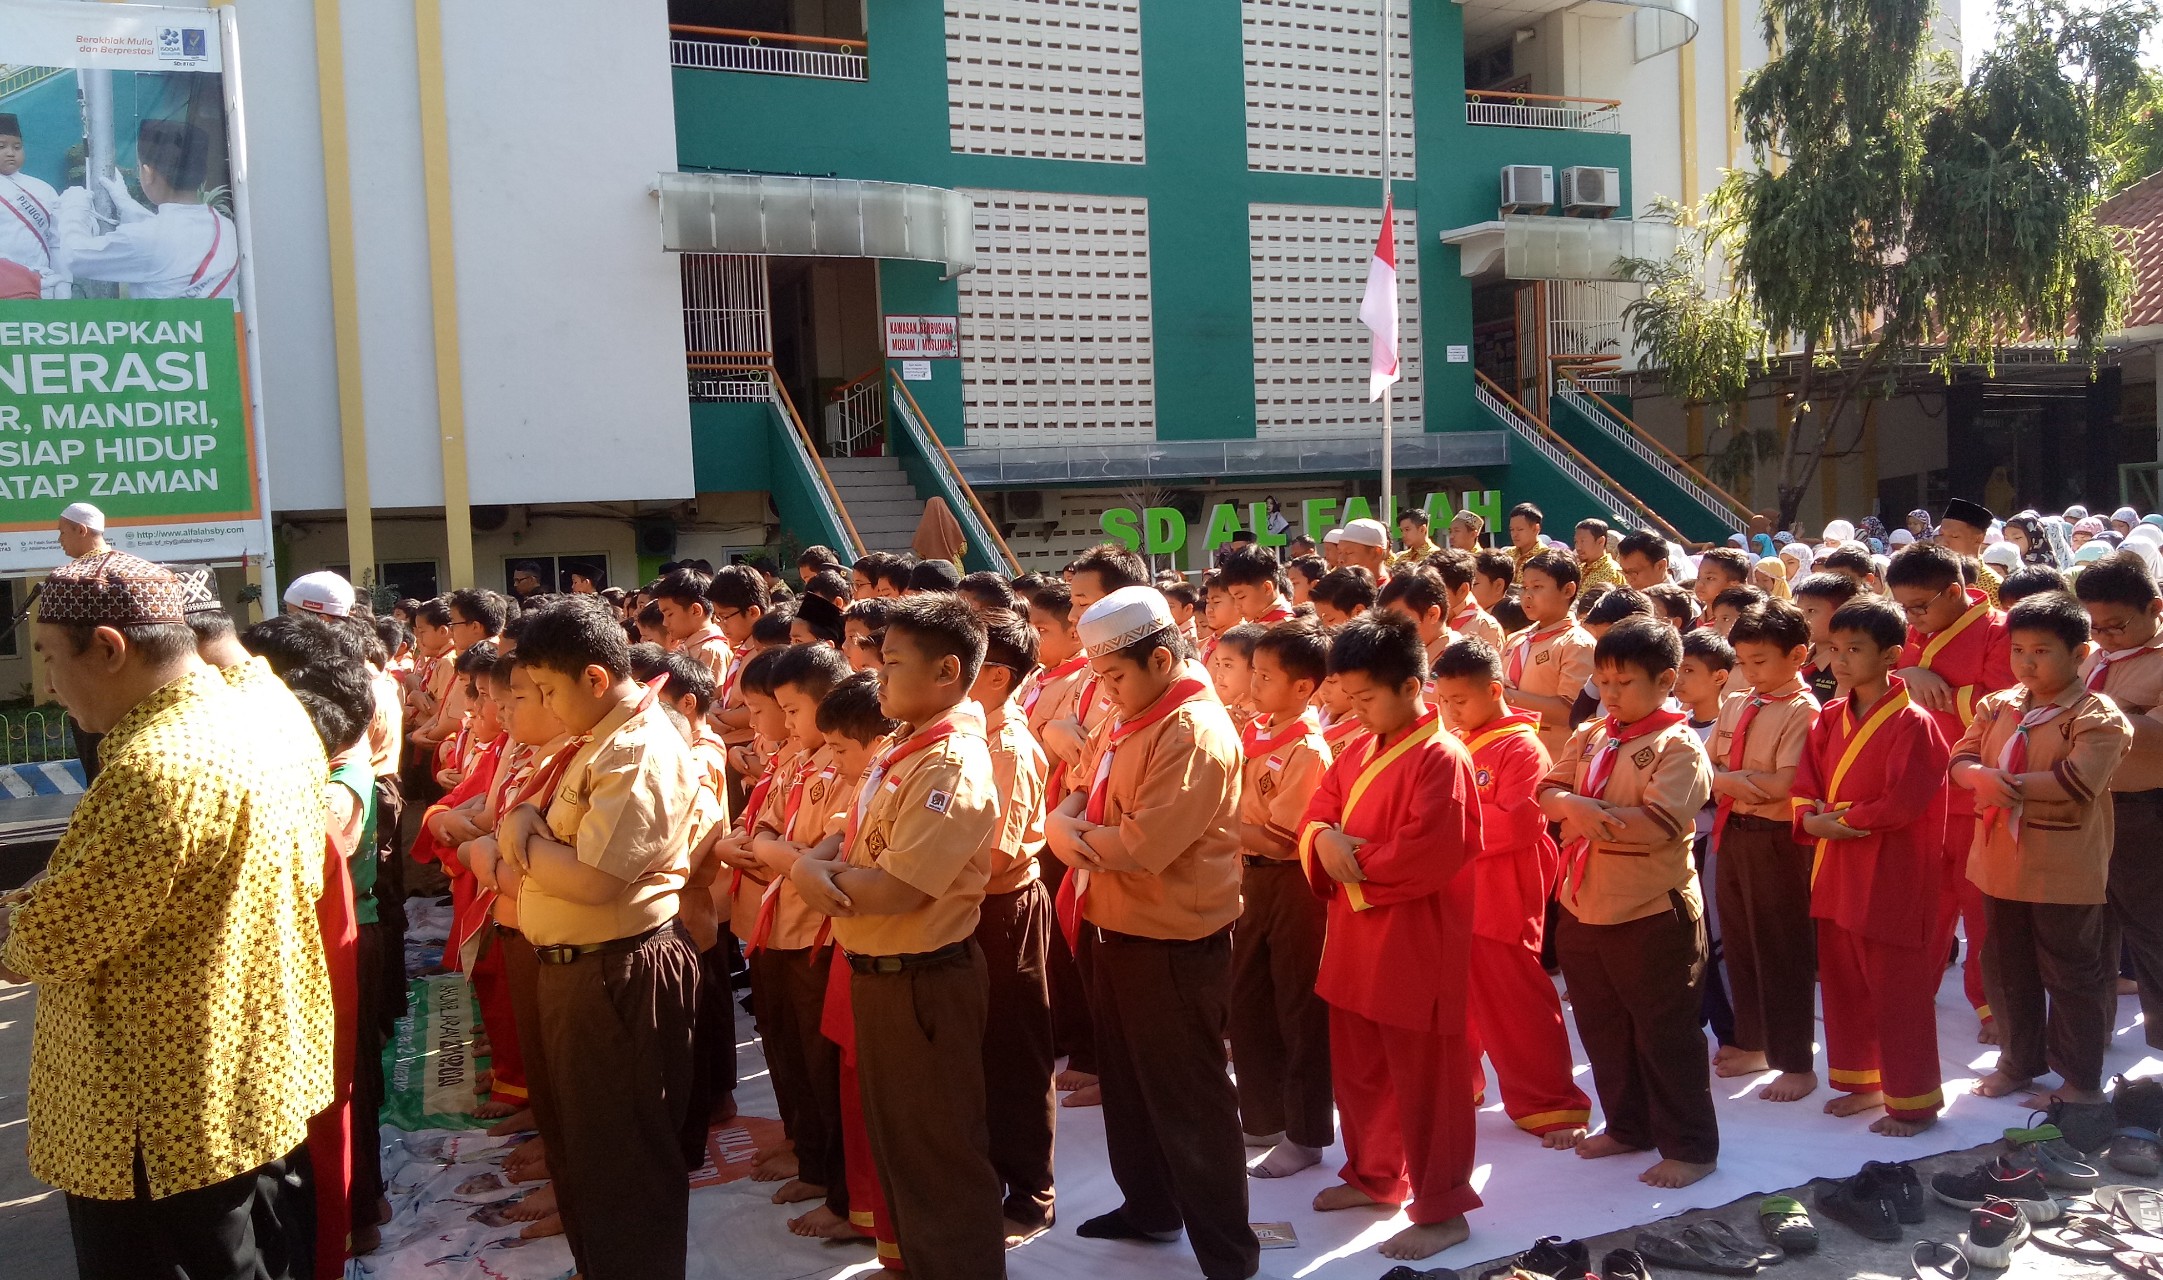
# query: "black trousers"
2050 970
1014 933
1171 1117
1280 1028
1634 993
2136 900
259 1225
378 954
788 988
1762 883
1071 1022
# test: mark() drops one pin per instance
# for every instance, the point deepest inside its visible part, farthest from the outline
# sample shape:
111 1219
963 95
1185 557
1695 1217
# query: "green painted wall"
894 127
731 447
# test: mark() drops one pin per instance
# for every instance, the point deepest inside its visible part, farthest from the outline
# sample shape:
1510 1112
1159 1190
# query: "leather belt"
571 952
903 963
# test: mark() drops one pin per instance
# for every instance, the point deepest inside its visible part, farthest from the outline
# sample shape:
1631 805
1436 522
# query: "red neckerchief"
880 773
1520 651
1255 745
1277 613
735 673
2099 674
1049 674
2013 757
1736 744
1339 731
1074 889
1601 768
1470 611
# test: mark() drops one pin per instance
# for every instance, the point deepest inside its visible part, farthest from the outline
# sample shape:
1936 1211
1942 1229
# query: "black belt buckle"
561 953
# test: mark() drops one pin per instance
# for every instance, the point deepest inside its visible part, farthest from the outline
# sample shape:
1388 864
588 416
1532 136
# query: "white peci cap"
321 592
84 514
1367 533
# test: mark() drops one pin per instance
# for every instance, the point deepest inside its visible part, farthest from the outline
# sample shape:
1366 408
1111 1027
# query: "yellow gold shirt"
183 1005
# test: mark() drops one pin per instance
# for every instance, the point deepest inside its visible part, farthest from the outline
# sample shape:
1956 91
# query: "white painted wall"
569 312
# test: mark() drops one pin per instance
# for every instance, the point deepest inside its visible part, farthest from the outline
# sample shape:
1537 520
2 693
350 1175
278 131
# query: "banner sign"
1158 531
923 337
123 351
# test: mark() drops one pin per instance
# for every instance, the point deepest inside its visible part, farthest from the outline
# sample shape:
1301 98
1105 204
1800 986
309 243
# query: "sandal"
2085 1238
1730 1239
2145 1266
1937 1260
2135 1208
1787 1224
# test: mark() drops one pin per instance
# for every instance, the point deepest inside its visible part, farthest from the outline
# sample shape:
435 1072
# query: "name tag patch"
938 801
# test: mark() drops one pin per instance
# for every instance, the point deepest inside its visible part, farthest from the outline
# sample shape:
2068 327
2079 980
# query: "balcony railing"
770 53
1542 111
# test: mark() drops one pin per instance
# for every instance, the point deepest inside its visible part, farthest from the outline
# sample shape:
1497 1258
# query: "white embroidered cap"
1123 617
1367 533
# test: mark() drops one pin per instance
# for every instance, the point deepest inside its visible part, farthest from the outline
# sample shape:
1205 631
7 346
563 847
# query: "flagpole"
1389 515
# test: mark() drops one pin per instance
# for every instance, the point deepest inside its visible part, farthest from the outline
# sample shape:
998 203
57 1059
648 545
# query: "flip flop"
2137 1208
1787 1224
2145 1266
2088 1239
1937 1260
1731 1239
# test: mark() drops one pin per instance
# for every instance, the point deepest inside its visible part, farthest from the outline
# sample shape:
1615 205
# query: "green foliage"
2133 145
1709 341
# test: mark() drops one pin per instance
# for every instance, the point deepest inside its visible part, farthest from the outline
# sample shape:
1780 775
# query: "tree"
1897 214
2134 148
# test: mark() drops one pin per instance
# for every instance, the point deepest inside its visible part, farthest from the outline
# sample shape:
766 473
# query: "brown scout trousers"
2050 970
1762 879
1019 1056
1280 1028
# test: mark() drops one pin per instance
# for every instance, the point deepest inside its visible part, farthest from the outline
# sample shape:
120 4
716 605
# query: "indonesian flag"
1378 311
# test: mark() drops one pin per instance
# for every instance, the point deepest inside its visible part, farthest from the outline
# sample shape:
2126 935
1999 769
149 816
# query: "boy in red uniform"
1280 1028
1762 877
1631 934
1392 825
1516 1016
1956 655
1867 801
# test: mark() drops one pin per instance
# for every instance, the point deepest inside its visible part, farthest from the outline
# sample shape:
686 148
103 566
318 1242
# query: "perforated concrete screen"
1310 350
1059 79
1055 336
1314 87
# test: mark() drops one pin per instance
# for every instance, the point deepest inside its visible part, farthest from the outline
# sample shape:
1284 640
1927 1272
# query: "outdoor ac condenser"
1527 188
1587 189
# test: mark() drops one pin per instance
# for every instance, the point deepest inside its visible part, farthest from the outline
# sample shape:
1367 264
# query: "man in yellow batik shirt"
183 1032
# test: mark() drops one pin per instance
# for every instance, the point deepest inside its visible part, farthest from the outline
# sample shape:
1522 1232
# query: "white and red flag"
1378 311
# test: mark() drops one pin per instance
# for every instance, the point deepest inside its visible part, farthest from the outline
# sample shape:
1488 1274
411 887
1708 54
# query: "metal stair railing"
1581 470
1632 437
976 523
837 515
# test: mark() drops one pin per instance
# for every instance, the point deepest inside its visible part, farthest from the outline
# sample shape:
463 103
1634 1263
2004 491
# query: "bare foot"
534 1205
517 1122
528 1161
1425 1241
778 1167
483 1047
1853 1104
724 1108
1725 1054
484 1079
1790 1086
552 1225
2044 1099
787 1146
1988 1032
1598 1145
1674 1173
796 1191
1743 1063
1069 1081
2126 986
494 1110
1284 1160
1562 1139
817 1224
1892 1128
1345 1196
1998 1084
1018 1235
1088 1095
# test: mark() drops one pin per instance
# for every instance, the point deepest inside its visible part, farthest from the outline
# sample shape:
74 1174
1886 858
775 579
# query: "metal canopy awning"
1533 247
817 218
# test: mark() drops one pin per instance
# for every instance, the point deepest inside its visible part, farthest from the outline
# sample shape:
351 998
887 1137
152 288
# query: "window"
553 573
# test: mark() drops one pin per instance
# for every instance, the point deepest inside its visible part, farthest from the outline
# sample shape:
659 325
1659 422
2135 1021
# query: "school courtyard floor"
737 1234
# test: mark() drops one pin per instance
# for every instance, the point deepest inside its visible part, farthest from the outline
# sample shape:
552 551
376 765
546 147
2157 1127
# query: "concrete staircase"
879 499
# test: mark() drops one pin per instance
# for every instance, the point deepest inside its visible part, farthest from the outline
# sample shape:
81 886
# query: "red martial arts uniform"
1394 969
1877 899
1973 656
1516 1016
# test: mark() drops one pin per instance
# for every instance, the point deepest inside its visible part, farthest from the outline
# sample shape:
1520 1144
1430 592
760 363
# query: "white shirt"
181 251
29 212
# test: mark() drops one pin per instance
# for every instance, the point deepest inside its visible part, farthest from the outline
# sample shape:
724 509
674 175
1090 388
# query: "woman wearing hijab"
1919 523
1770 577
2085 530
2026 534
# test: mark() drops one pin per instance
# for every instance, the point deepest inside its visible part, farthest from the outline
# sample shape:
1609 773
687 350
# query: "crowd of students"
1345 812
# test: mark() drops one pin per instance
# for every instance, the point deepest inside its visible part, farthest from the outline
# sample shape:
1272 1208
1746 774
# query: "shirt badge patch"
938 801
1483 777
1544 655
1643 758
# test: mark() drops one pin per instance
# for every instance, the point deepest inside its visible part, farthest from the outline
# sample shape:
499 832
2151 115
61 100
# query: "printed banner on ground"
428 1068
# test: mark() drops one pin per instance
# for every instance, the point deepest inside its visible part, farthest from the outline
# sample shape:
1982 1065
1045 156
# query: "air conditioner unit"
1527 188
1587 189
1023 504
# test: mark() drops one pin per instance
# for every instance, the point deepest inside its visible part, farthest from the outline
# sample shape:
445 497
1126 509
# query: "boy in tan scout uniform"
1631 935
1280 1027
1151 839
603 862
2039 759
1015 933
904 883
1545 665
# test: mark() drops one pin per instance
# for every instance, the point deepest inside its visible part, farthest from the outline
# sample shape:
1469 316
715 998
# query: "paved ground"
33 1223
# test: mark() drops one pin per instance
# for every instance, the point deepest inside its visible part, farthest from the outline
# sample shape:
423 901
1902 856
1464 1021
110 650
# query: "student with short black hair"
2124 607
1420 595
1344 594
1673 602
1643 559
1230 662
2038 759
890 577
1459 571
2031 580
1186 601
1819 596
1524 523
1718 570
1389 829
863 575
817 621
830 585
1851 560
1251 577
814 560
1546 664
687 616
1054 693
1303 572
863 631
1631 933
600 870
933 577
1731 603
904 882
1869 800
986 590
1957 654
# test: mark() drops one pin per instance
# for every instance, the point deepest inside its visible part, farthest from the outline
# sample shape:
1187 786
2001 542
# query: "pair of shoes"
1556 1257
1937 1260
1855 1203
1787 1224
2137 1107
1995 1229
2044 1149
1698 1248
1998 1180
